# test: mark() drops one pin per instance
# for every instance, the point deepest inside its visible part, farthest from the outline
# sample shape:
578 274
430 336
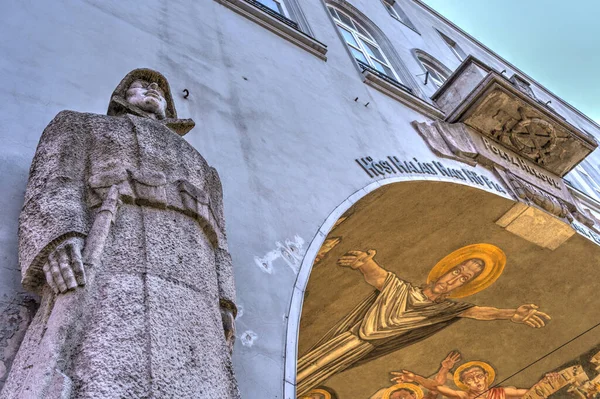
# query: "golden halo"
403 385
493 257
491 374
326 395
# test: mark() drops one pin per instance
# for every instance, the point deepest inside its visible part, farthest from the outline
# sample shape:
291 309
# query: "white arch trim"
295 311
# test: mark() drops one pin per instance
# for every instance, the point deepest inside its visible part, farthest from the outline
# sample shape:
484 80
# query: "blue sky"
556 42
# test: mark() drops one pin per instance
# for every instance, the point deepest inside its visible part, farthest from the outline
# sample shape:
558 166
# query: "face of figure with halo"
403 394
475 378
148 97
458 276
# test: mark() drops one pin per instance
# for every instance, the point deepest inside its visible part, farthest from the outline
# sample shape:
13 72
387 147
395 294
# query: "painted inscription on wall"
393 165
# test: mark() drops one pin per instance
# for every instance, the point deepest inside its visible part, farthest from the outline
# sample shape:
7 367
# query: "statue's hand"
403 376
64 268
451 360
528 314
228 327
356 259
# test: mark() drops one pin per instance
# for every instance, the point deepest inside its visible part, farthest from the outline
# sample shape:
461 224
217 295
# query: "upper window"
435 74
362 45
458 52
435 71
276 5
589 181
396 11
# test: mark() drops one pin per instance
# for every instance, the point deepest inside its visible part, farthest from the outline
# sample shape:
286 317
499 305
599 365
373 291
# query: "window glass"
373 51
333 13
363 32
346 20
362 45
382 68
435 74
358 55
273 5
455 48
349 37
396 11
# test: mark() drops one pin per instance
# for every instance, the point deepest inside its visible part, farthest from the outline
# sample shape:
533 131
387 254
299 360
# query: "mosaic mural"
383 313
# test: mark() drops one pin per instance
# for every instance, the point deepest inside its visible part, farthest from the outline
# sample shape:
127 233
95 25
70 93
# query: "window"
282 17
458 52
436 75
276 5
589 181
435 71
362 45
396 12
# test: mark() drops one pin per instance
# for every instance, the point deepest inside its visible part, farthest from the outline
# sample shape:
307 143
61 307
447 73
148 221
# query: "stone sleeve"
54 207
225 280
215 190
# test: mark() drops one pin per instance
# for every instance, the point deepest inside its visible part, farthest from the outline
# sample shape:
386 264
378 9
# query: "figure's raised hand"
356 259
403 376
530 315
64 269
450 360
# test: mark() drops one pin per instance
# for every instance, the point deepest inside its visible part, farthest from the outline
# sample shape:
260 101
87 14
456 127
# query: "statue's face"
148 97
458 276
475 378
402 394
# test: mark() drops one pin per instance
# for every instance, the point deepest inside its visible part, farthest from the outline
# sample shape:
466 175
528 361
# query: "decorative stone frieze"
508 112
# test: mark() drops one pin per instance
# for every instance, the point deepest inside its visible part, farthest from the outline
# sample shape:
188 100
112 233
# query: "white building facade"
304 108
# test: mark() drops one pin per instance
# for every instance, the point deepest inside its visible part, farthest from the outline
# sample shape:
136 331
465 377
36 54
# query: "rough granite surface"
151 325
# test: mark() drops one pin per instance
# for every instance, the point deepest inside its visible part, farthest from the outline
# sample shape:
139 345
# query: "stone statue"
122 235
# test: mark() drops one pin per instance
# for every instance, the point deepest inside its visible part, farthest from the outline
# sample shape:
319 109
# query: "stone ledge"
276 26
402 95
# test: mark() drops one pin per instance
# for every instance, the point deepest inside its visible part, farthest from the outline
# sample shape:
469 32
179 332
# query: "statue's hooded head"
143 92
146 93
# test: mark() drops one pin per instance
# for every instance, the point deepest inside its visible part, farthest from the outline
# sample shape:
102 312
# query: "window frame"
454 47
282 8
588 181
362 40
295 30
396 12
434 71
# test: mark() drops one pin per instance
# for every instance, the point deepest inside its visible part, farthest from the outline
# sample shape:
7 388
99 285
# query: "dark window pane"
348 37
273 5
359 56
372 50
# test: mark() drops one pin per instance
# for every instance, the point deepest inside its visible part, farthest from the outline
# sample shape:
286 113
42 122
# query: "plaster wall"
281 126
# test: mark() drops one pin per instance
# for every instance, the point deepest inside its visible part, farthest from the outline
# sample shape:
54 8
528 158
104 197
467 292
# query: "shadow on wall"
15 316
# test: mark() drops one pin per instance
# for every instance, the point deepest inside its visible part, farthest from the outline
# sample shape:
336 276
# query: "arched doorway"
412 226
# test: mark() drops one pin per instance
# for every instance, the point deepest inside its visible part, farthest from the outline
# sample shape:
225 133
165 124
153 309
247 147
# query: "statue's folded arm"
54 208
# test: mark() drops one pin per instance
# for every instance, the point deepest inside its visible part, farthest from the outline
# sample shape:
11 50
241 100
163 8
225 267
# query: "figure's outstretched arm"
442 374
525 314
514 393
517 393
374 274
407 376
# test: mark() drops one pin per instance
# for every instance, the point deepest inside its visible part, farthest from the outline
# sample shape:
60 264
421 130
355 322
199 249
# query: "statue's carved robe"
152 327
384 322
